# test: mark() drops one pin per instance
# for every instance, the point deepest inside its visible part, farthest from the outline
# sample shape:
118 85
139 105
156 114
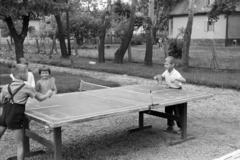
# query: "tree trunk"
75 46
61 37
187 38
129 53
154 35
38 47
119 54
101 49
9 45
105 24
53 46
165 43
18 49
18 38
149 44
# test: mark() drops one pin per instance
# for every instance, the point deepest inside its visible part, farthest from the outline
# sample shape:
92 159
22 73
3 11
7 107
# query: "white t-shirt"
170 77
30 81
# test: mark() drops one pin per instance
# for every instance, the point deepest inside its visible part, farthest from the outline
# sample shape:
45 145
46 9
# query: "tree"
226 7
119 54
105 23
187 37
161 9
149 41
23 11
83 26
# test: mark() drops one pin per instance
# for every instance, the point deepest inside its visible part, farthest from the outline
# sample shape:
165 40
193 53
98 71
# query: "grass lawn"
200 59
201 76
65 82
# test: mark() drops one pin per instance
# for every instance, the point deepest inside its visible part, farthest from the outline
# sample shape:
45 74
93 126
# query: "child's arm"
180 79
41 97
37 86
54 89
160 79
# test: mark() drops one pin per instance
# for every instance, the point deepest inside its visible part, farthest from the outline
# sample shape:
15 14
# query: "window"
209 26
209 2
170 26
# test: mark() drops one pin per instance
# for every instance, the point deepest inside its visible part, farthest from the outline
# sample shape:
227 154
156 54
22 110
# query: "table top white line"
43 107
37 117
144 90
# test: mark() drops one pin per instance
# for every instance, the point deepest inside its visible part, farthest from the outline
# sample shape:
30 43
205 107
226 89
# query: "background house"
224 31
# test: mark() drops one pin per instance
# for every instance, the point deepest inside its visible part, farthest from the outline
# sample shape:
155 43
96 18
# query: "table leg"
140 123
57 135
27 151
26 138
184 136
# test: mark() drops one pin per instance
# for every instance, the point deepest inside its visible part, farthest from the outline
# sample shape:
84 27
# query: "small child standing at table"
44 84
173 79
30 81
13 99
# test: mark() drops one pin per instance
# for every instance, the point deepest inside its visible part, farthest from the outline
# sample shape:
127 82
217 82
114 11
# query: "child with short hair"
173 79
30 80
13 98
44 84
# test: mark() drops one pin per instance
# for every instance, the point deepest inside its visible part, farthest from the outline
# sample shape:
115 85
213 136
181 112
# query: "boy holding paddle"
173 79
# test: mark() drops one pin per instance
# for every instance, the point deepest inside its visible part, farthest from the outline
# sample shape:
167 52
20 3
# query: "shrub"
137 40
175 47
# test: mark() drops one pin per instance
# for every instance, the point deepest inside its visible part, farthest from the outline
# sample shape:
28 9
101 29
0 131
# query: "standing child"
30 80
173 79
13 98
44 84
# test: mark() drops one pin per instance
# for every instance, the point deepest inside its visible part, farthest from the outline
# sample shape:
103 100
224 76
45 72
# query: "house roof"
200 7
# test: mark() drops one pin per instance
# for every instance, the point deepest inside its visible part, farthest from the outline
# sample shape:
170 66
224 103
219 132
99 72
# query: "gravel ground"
214 122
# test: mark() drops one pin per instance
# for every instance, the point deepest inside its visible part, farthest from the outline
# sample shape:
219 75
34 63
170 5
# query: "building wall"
198 29
233 26
35 24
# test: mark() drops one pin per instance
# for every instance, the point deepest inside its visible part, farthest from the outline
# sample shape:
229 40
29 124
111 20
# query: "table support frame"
182 119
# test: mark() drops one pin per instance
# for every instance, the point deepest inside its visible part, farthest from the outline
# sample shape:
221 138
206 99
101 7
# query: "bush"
175 47
137 40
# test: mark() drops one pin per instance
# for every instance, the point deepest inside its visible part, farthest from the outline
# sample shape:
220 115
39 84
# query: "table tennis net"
85 86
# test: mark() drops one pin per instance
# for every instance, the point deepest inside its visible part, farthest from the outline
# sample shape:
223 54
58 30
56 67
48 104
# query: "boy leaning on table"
13 98
173 79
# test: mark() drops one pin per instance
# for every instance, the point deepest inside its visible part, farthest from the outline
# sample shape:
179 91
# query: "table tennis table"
64 109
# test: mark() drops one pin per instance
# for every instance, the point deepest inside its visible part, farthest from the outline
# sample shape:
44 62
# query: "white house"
224 31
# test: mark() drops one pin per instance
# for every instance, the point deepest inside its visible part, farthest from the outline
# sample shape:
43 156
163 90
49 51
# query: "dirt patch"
214 122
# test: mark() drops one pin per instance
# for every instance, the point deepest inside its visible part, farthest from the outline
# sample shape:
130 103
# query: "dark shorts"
12 116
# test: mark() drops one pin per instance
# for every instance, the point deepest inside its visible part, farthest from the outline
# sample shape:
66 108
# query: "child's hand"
156 78
175 81
50 93
159 78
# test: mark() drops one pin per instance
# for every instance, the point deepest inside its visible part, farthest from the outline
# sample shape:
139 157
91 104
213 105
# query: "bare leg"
2 131
18 136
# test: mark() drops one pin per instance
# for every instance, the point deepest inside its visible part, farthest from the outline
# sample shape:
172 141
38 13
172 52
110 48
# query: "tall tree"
149 42
61 36
187 37
119 54
23 11
105 23
161 9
